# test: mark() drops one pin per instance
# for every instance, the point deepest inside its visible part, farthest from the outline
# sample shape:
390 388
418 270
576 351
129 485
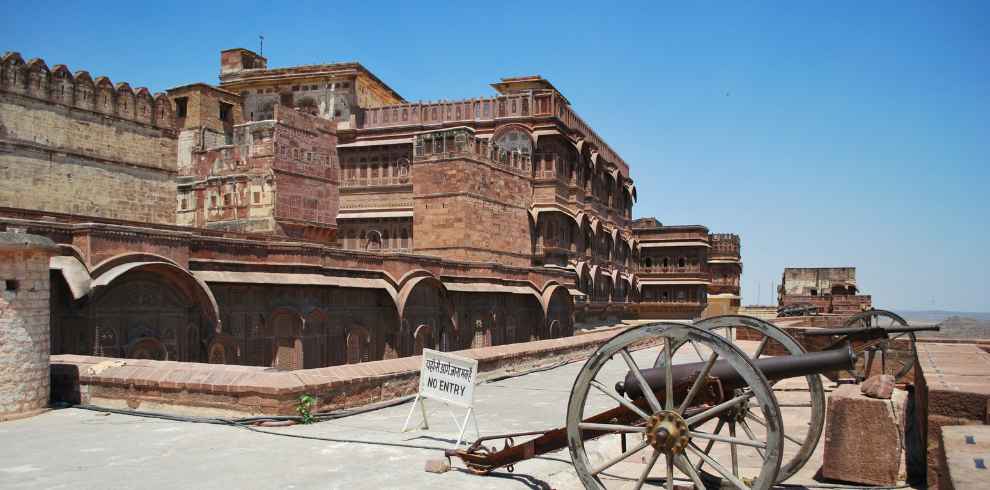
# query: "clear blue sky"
825 133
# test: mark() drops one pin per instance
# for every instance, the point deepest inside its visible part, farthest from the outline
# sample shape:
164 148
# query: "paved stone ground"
84 449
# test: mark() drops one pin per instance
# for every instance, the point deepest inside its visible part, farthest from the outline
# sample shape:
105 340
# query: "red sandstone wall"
467 210
306 162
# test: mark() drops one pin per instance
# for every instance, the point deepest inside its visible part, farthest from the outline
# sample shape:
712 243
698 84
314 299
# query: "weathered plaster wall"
37 178
24 323
62 159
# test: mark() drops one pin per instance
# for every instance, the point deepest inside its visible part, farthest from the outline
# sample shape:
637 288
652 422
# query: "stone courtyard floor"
84 449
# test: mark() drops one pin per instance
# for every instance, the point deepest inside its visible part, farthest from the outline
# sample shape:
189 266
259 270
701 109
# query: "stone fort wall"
72 144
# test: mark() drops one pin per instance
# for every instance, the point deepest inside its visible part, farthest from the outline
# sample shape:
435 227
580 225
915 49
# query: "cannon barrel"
774 368
868 330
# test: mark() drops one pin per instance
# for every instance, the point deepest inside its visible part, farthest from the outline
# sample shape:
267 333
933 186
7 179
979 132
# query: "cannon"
677 406
878 333
671 407
798 309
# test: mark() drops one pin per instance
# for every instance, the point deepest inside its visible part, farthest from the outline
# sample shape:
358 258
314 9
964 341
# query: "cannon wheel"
685 420
903 362
727 326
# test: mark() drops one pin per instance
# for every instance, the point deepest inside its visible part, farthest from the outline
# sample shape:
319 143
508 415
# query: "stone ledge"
964 457
953 387
957 379
238 390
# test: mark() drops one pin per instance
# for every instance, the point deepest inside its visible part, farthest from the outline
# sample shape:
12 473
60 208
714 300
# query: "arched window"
358 346
374 241
423 338
515 140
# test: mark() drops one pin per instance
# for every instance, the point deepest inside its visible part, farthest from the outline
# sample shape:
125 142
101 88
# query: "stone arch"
585 280
422 338
425 300
506 128
358 345
588 239
287 349
373 241
161 296
315 336
195 291
607 286
558 308
223 349
217 354
69 250
128 257
73 271
608 245
146 348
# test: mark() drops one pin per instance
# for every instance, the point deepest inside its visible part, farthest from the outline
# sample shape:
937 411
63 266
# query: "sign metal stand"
447 379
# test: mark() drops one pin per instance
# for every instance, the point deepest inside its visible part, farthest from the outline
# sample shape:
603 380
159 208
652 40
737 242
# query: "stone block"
880 386
864 437
439 465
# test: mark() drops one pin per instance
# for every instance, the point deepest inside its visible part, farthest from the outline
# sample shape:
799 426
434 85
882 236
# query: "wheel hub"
666 431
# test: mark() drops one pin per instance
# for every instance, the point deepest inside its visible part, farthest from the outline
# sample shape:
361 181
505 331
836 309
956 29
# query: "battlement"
723 237
723 245
80 90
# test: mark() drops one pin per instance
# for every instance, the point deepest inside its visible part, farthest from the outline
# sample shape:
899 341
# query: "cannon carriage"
670 402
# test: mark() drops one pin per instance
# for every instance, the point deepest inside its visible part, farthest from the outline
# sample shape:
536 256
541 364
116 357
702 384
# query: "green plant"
305 408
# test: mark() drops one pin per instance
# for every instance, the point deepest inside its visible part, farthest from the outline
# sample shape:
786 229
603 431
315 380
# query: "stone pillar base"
864 437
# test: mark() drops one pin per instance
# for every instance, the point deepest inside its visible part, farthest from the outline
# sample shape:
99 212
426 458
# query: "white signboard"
448 378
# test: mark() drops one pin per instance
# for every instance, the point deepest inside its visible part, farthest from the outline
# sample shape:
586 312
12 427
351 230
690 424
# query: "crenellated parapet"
724 246
80 90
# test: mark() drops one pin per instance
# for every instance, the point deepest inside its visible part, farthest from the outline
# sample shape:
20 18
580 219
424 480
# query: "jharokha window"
515 140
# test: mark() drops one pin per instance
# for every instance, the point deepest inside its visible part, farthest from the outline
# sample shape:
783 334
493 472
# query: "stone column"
24 324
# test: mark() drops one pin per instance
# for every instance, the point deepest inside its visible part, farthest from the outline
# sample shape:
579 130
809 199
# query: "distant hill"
955 324
936 316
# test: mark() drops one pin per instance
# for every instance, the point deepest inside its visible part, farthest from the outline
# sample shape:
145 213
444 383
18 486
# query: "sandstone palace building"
311 216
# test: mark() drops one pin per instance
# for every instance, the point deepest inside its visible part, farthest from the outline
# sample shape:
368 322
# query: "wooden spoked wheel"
895 354
675 425
801 400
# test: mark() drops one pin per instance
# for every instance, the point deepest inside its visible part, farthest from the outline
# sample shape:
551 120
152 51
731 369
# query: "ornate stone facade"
310 216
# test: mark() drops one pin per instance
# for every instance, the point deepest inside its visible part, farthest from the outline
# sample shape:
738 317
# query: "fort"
310 216
305 232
